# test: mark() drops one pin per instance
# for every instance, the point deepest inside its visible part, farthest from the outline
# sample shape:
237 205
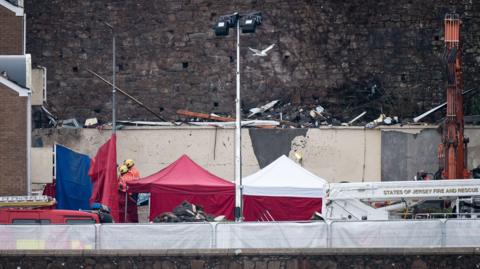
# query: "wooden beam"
191 114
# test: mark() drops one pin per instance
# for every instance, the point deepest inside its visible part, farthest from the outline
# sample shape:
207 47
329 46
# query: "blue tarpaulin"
73 185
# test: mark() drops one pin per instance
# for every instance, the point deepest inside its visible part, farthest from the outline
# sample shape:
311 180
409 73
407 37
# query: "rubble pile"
187 212
303 116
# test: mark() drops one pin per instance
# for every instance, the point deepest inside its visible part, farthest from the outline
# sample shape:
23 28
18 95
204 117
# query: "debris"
245 123
357 117
69 123
262 109
126 94
147 123
91 122
319 109
417 118
51 117
203 116
382 119
375 122
285 115
388 121
187 212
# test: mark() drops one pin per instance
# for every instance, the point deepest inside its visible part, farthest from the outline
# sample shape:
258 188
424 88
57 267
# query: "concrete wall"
42 165
38 86
473 133
406 151
335 154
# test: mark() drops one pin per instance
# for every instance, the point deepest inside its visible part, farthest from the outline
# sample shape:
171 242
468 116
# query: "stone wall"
245 259
347 56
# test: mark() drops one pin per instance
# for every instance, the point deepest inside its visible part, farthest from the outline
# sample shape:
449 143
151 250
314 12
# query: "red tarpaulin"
186 180
103 173
269 208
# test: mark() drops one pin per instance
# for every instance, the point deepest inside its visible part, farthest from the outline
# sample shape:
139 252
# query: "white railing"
230 235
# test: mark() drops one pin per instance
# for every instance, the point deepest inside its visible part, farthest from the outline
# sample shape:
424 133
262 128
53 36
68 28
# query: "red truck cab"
46 216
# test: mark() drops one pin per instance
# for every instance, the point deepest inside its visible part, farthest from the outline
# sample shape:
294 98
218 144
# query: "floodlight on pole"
114 101
248 24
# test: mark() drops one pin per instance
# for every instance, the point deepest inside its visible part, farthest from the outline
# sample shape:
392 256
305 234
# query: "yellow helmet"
129 163
123 169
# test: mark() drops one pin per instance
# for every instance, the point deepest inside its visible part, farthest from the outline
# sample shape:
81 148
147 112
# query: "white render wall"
336 154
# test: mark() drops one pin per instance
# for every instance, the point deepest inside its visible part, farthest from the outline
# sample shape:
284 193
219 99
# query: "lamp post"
248 23
114 104
114 90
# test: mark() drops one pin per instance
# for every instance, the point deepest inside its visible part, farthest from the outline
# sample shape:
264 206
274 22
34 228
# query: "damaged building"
348 57
334 79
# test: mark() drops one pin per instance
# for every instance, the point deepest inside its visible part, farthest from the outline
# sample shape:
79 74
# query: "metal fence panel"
391 234
271 235
388 234
462 233
47 237
156 236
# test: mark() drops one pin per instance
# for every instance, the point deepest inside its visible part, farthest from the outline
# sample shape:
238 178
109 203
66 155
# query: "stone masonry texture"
259 261
11 33
347 56
13 142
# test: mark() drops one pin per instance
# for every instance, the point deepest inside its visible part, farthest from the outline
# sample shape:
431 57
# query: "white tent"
284 177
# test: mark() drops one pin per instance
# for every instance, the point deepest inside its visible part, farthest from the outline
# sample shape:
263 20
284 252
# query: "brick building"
12 24
13 131
15 98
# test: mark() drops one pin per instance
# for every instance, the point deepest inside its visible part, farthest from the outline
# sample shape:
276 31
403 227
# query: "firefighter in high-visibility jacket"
127 205
124 178
131 168
133 174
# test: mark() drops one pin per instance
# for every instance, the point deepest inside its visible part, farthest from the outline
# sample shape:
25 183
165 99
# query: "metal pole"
126 205
114 89
29 143
238 139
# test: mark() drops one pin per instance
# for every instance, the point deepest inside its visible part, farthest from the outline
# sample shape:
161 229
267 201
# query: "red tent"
186 180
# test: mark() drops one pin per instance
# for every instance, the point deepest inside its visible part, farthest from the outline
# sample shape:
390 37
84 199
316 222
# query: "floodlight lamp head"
224 23
221 28
249 22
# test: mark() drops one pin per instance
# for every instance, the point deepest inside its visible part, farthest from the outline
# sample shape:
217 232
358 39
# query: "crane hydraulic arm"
452 151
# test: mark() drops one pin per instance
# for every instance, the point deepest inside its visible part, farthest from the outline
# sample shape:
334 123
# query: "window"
80 221
30 221
24 221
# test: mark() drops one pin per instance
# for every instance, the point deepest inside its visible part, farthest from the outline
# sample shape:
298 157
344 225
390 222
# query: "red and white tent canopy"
283 190
186 180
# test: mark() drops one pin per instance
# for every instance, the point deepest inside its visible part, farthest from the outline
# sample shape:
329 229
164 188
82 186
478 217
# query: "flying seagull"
262 53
